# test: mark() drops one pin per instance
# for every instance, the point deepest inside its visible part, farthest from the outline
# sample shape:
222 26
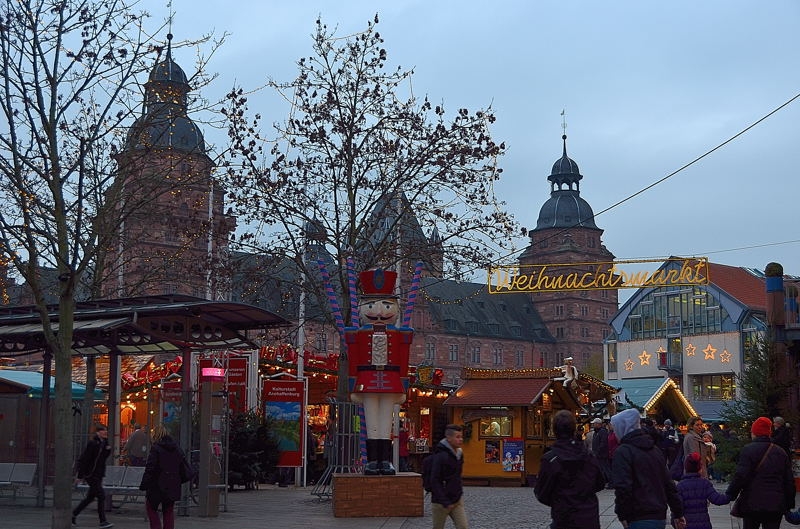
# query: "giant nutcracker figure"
378 352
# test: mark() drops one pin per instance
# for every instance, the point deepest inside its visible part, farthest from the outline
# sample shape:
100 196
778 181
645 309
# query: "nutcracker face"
378 310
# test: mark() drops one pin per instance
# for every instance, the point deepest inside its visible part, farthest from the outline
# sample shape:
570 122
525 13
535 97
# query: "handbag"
186 470
736 508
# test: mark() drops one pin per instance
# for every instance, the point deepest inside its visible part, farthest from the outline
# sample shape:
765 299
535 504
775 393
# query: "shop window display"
495 427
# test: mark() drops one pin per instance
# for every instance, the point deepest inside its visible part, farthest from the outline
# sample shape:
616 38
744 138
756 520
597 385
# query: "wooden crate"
356 496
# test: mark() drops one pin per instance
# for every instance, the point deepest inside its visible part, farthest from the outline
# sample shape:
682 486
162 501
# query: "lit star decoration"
628 365
709 351
724 356
644 358
690 349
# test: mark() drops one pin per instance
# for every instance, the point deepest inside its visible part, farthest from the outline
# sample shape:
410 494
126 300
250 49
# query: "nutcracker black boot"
385 465
373 457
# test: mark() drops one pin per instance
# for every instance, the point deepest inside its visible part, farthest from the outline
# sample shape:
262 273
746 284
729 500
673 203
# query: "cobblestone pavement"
296 508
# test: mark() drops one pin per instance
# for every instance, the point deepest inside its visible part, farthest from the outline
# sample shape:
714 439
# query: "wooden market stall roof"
654 394
517 387
500 387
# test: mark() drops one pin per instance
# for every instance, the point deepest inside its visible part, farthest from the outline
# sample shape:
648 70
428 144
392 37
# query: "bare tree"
70 82
384 175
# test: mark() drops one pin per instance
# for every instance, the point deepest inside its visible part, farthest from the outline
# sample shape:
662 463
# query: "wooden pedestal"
355 495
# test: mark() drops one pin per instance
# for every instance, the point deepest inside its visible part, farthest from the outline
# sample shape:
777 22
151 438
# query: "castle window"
430 351
497 356
454 352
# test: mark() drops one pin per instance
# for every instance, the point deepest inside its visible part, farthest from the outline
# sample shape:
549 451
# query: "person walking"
402 449
446 486
671 441
136 446
693 442
162 479
782 435
569 479
642 486
600 448
92 469
696 492
587 441
762 483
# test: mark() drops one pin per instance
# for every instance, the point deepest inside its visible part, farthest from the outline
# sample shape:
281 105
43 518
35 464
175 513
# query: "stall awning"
30 382
651 394
498 392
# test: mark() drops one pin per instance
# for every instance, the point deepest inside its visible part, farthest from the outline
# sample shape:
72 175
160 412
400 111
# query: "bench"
121 481
14 476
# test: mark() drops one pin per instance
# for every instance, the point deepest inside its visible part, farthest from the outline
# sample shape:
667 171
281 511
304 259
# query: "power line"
670 175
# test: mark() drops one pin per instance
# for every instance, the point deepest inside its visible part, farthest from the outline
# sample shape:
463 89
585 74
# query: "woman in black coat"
763 480
162 479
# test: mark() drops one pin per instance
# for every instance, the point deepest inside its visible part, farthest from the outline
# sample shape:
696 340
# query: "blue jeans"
648 524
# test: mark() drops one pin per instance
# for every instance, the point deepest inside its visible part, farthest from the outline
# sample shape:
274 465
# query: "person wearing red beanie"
763 484
762 427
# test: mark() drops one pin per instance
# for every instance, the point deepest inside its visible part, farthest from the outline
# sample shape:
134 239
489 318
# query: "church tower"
566 233
174 235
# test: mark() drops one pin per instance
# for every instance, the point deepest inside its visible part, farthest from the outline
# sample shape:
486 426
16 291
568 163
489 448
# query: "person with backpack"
92 469
165 470
569 479
442 475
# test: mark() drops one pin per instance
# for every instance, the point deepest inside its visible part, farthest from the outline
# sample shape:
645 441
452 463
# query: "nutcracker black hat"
377 283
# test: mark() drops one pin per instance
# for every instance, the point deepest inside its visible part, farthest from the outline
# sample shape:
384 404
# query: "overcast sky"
647 87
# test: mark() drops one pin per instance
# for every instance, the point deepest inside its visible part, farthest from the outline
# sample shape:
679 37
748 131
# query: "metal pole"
300 472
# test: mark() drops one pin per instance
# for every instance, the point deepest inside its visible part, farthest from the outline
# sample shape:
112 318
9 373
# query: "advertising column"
285 409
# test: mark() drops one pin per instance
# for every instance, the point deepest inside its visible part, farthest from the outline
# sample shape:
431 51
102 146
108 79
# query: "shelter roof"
142 325
31 382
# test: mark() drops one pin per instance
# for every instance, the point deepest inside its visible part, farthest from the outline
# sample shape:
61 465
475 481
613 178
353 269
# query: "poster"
283 405
492 452
514 455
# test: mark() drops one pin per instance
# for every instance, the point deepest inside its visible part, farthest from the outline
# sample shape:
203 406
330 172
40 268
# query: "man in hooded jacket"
643 487
569 479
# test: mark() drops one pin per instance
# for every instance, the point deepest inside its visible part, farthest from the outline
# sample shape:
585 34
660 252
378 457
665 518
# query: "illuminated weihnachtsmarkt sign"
673 272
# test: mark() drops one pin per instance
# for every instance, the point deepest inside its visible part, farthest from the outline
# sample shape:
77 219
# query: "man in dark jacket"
569 479
600 448
92 469
446 486
643 488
